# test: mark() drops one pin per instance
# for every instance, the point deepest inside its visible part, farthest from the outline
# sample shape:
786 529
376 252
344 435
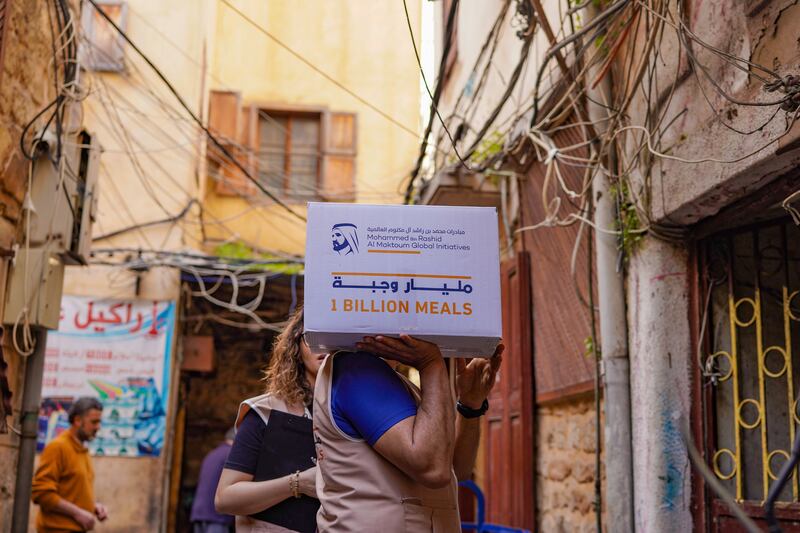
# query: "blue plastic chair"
481 526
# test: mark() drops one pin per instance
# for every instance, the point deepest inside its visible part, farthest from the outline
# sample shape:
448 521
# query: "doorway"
209 397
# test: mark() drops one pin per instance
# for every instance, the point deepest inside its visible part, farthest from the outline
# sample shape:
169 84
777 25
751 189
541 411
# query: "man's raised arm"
422 445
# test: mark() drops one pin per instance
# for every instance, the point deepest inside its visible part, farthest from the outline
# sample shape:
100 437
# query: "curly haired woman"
269 477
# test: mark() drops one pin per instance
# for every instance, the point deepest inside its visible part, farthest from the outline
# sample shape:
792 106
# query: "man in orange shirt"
63 486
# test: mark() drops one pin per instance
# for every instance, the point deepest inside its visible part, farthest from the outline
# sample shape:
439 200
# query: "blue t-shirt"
368 397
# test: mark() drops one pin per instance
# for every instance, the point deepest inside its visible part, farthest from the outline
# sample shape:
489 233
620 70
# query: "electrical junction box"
35 281
427 271
198 353
64 196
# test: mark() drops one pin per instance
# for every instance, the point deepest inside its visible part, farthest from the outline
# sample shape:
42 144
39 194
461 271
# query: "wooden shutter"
104 50
232 124
510 476
561 319
337 180
5 15
223 114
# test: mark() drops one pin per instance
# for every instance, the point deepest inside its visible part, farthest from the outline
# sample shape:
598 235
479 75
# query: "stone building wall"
565 467
660 278
26 85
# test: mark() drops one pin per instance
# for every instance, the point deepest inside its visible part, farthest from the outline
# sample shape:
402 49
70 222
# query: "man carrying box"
389 455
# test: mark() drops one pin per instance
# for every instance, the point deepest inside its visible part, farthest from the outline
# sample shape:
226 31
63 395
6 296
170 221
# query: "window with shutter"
289 152
339 159
5 14
299 154
229 121
103 49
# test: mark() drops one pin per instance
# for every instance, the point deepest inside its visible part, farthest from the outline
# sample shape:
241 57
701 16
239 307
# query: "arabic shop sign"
118 351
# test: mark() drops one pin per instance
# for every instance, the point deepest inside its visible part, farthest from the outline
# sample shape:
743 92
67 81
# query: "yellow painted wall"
152 170
148 173
363 44
160 177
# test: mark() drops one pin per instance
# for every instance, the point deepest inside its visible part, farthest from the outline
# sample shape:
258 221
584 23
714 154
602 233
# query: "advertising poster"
118 351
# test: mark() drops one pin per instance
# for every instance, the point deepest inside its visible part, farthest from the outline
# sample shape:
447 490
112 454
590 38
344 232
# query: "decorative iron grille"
753 311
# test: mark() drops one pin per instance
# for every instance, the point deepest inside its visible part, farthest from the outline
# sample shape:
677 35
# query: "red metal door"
509 424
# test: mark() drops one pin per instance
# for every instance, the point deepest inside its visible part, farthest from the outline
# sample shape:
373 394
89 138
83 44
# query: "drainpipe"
613 330
31 397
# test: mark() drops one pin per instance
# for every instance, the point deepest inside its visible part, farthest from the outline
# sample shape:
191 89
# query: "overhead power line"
191 113
440 85
168 220
451 16
371 190
318 70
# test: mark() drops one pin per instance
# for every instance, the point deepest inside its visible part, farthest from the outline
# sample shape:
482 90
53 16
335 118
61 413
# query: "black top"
268 451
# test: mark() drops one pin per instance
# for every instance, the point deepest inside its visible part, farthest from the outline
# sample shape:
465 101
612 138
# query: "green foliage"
628 223
239 250
601 43
490 146
600 40
591 349
235 250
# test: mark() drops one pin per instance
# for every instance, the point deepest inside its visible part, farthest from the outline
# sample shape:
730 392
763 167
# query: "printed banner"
120 352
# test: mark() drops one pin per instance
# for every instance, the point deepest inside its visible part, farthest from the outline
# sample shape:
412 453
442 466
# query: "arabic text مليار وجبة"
394 286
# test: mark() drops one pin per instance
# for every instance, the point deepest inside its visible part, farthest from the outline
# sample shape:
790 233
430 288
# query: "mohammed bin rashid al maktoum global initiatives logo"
345 238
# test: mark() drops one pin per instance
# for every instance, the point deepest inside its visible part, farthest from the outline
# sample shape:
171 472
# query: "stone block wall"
565 467
26 85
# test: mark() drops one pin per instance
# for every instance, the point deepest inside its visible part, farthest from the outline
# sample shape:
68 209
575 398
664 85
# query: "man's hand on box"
475 379
407 350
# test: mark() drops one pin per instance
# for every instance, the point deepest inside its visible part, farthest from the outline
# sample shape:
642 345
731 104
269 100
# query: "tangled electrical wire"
59 112
574 126
625 39
209 274
65 73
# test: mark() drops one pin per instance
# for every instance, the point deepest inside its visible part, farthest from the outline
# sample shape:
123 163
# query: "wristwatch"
468 412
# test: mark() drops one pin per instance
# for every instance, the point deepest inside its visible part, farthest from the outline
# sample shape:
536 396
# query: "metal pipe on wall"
613 328
29 422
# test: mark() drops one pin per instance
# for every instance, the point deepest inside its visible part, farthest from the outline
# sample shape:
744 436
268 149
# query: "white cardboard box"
429 272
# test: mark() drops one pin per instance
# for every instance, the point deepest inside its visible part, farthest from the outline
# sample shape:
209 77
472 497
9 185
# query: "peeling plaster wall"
661 355
683 193
764 32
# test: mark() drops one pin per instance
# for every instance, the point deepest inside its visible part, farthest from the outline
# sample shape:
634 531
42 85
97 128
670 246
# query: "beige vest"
262 404
360 491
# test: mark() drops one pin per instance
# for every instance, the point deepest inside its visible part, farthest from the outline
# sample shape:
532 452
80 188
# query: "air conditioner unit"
64 197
